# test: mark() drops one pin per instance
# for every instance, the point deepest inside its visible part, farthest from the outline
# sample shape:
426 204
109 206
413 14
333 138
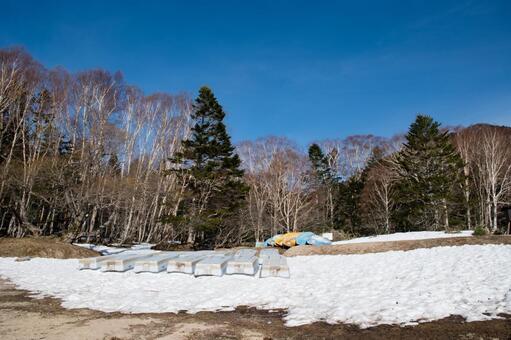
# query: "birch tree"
493 163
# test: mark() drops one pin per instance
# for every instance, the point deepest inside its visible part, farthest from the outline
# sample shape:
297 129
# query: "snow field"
370 289
412 235
106 250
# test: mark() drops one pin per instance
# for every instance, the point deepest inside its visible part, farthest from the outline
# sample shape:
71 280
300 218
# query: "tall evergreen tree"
430 170
216 189
320 167
324 181
348 212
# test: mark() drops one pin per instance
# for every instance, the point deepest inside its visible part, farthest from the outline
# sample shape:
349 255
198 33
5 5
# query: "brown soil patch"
42 247
172 246
22 317
378 247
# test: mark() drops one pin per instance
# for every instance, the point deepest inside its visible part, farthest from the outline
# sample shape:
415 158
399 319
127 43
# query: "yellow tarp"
287 239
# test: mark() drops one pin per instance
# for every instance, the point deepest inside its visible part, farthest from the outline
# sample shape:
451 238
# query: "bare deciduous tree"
379 195
493 163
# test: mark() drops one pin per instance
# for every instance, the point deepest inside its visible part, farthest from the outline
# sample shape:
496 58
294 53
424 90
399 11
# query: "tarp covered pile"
296 239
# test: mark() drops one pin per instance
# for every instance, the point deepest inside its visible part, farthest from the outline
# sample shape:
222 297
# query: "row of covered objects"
296 239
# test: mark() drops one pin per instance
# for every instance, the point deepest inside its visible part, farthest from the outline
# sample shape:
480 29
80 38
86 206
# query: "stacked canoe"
268 263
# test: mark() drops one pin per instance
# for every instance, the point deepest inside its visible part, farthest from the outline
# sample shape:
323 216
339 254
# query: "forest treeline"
87 155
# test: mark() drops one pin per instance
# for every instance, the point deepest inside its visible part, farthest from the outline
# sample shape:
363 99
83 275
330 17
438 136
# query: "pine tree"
348 212
430 170
324 182
321 169
216 190
113 164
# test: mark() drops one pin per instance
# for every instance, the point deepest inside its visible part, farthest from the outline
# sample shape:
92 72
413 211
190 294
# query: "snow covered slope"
412 235
106 250
381 288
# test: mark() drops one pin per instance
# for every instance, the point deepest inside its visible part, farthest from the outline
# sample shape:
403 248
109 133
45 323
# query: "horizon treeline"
86 155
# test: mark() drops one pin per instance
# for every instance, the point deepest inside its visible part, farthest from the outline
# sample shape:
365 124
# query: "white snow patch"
412 235
370 289
109 250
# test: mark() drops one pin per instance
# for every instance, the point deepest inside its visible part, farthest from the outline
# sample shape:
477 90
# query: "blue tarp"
316 240
304 238
271 241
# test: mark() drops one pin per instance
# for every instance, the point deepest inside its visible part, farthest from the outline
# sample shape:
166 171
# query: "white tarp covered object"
244 262
266 253
245 252
213 265
275 266
122 262
186 263
93 262
155 263
199 263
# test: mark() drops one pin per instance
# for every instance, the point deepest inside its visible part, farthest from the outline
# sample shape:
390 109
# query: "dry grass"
42 247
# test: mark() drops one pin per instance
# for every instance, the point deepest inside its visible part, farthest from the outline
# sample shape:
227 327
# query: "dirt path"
23 317
378 247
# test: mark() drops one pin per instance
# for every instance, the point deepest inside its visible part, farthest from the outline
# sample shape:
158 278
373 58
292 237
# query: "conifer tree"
348 213
321 170
216 189
325 183
430 169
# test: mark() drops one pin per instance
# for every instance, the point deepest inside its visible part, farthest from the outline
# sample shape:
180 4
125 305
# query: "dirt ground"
378 247
42 247
53 248
23 317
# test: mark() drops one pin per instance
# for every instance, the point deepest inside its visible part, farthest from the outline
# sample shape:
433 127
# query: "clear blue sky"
305 70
